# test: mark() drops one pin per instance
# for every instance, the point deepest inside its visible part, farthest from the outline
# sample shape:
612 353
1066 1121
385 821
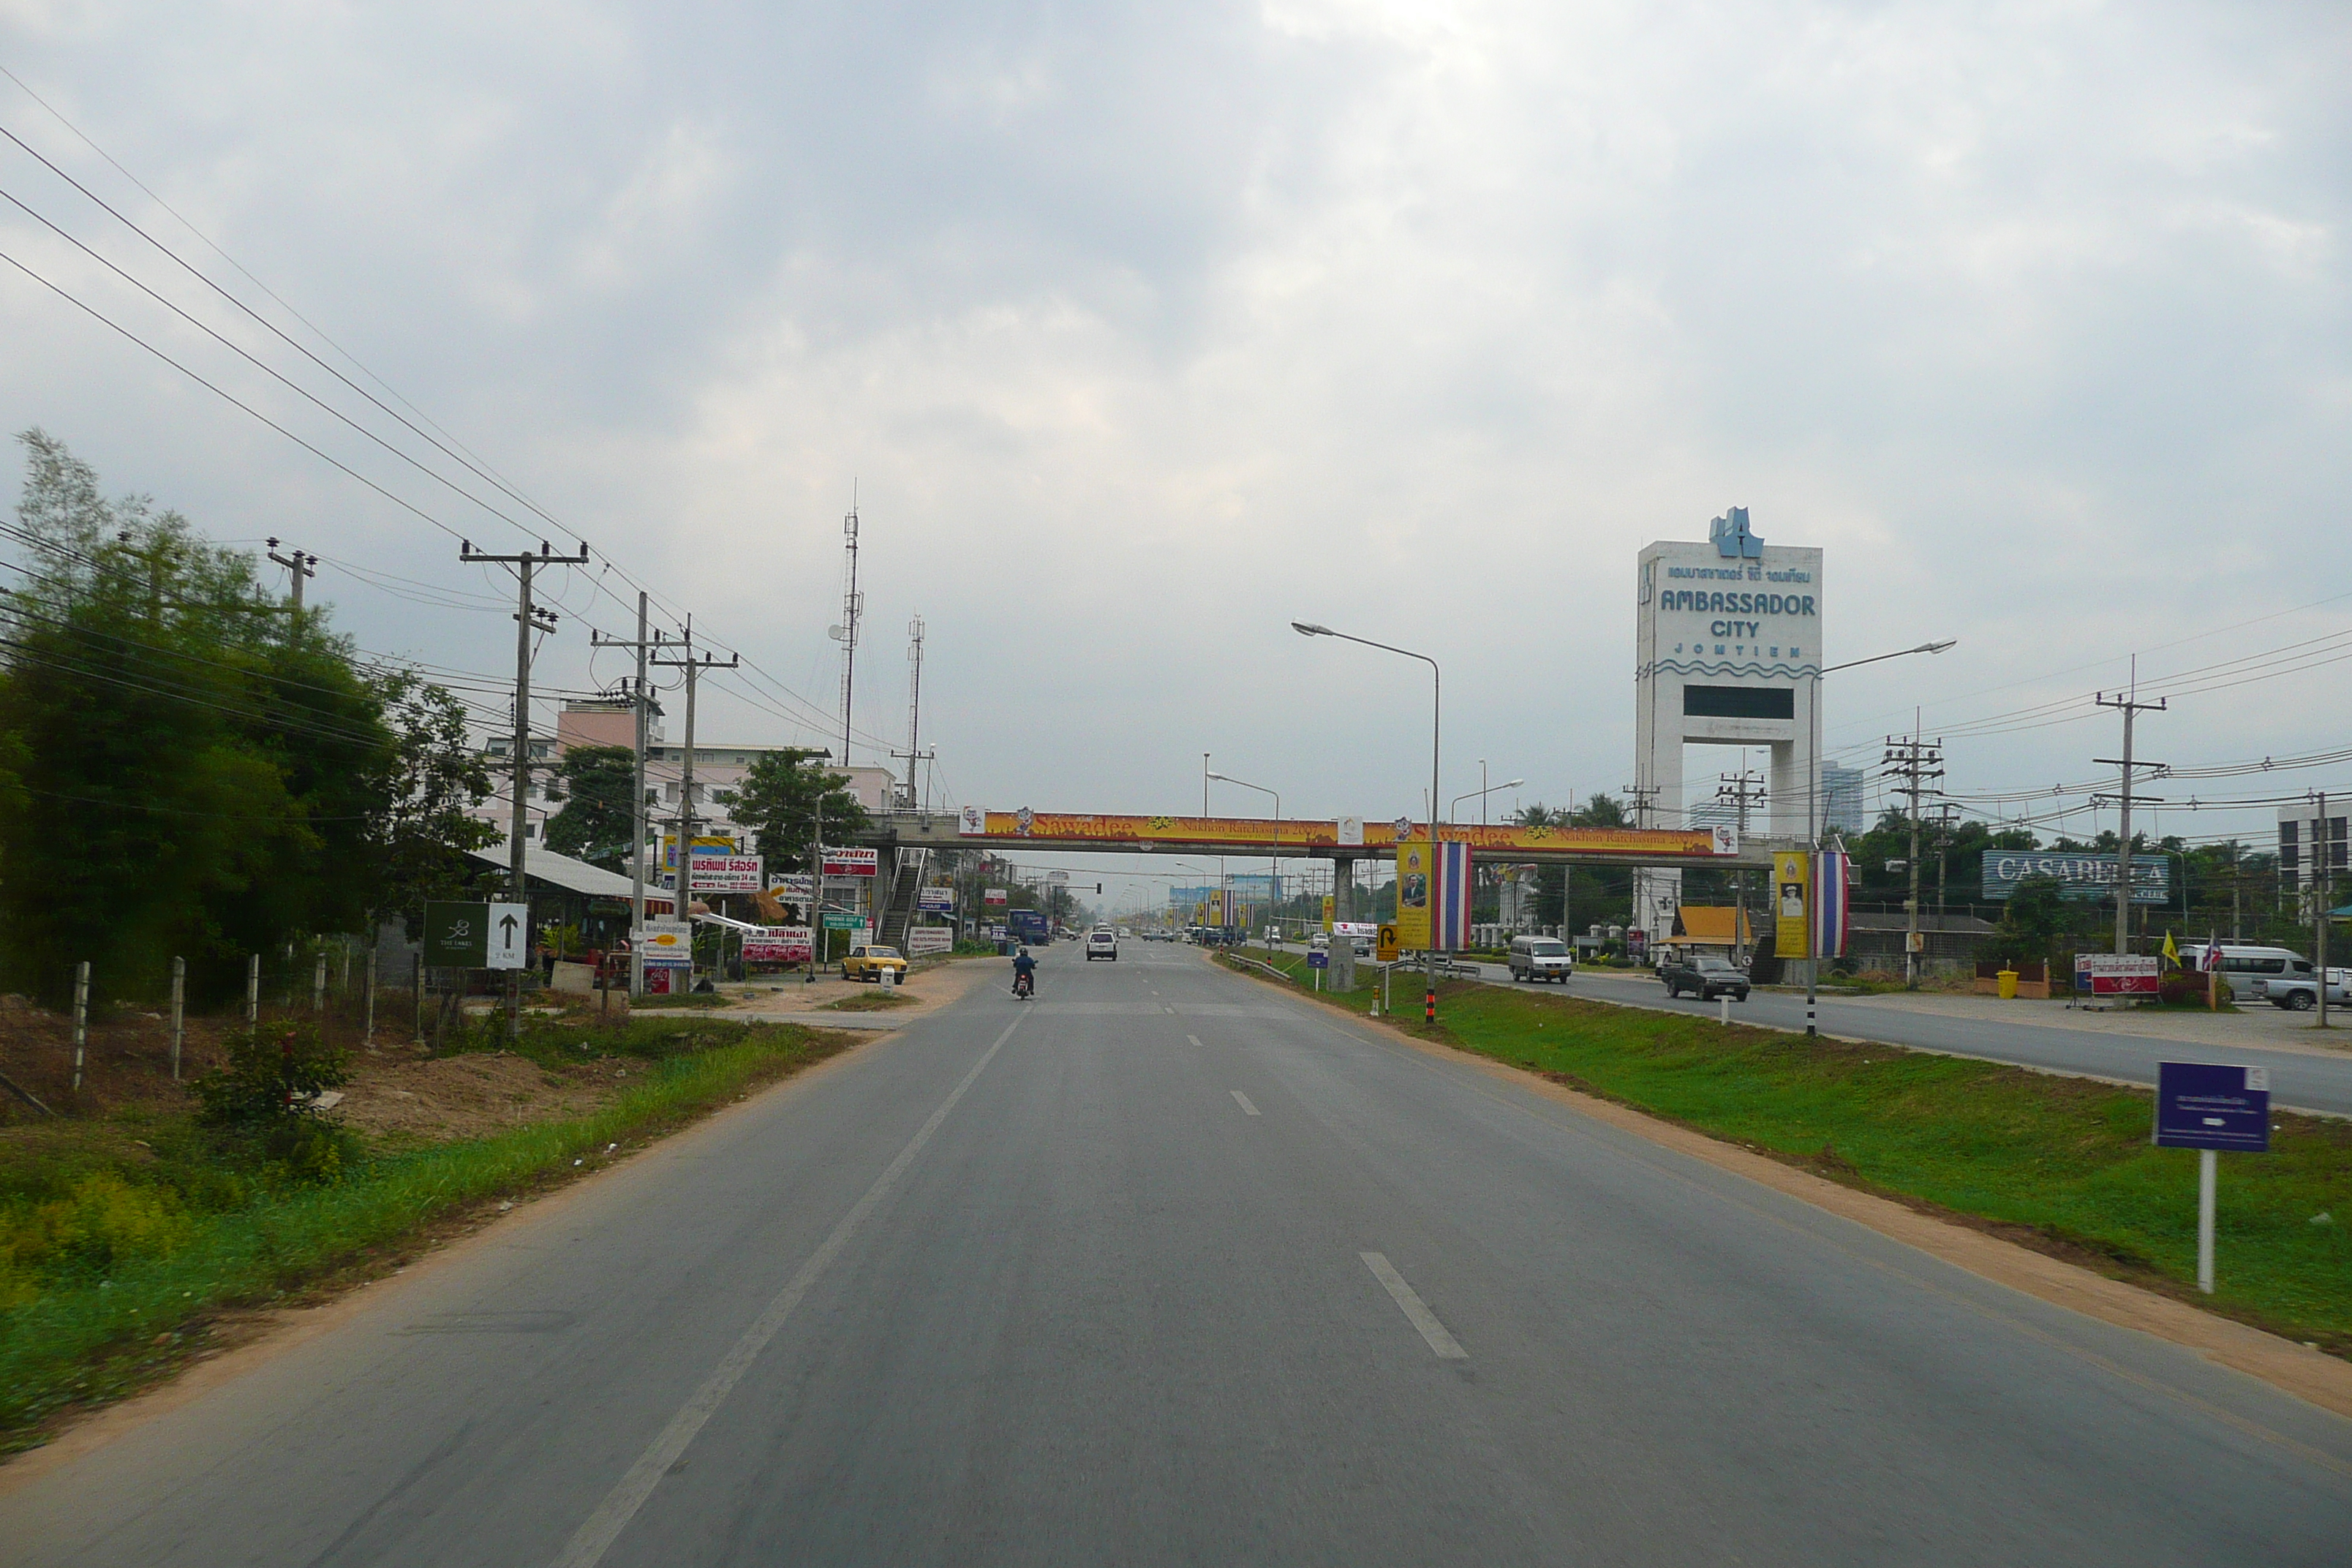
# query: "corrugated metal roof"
564 872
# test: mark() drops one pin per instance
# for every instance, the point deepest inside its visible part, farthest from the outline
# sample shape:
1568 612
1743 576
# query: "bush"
2185 988
267 1092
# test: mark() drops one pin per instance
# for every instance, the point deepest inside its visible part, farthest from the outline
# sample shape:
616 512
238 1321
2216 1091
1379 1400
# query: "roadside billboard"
779 945
2078 876
1414 875
715 871
937 899
922 942
851 862
2118 973
1791 883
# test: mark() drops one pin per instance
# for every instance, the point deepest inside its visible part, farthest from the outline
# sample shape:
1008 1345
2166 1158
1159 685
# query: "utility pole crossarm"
303 567
528 619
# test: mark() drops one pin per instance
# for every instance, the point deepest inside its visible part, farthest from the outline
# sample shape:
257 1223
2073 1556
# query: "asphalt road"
1166 1268
2305 1081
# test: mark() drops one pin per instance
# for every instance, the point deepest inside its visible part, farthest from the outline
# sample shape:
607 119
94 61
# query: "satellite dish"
836 632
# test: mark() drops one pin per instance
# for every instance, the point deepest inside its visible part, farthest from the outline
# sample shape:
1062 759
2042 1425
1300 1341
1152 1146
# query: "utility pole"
1743 789
852 610
1643 797
2323 867
529 618
302 566
694 665
1917 762
641 704
2128 703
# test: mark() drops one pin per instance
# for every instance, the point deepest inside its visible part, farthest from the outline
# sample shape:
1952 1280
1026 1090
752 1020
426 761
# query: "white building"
720 768
1842 799
2303 848
1728 652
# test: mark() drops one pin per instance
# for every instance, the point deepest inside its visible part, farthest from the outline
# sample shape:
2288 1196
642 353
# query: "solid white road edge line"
1244 1100
1416 1311
601 1529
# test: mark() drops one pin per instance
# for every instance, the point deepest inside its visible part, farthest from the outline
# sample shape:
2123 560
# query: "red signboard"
778 945
852 862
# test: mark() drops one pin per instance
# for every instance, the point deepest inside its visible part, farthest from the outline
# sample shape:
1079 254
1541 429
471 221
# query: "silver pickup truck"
2300 993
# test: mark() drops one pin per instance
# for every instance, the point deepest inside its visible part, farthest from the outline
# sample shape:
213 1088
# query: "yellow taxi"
868 962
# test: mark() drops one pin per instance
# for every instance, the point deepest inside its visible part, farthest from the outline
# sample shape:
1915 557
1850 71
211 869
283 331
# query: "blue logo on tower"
1734 540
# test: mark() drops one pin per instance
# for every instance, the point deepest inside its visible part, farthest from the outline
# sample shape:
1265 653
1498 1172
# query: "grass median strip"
2059 1162
118 1264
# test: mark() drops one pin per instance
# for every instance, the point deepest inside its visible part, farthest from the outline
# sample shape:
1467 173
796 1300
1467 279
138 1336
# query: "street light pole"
1274 883
1813 825
1437 714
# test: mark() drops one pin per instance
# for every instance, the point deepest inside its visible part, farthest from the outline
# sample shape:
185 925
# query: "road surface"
2311 1078
1166 1268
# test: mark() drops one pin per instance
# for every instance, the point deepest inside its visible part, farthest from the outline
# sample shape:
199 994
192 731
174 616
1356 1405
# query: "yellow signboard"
1792 893
1413 882
1331 909
1385 950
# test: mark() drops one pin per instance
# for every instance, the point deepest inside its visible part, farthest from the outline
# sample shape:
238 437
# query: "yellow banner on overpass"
1076 828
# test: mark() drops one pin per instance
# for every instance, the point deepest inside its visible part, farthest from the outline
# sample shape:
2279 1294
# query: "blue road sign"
1319 959
2206 1105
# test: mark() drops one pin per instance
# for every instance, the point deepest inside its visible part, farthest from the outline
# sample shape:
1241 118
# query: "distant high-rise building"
1842 799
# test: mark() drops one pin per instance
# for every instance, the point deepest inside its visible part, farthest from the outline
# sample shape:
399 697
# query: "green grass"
95 1325
2066 1159
874 1001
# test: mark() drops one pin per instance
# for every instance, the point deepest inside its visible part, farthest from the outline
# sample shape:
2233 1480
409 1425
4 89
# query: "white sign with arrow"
510 937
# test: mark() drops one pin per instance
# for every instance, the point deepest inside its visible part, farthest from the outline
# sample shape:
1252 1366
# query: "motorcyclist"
1024 974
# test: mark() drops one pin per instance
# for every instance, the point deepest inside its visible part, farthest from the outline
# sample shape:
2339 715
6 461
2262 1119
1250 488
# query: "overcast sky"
1142 331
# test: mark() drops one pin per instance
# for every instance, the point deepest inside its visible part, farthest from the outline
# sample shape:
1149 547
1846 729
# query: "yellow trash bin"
2007 982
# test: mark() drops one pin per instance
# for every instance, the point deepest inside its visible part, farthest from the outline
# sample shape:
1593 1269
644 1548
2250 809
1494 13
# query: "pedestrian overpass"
1326 838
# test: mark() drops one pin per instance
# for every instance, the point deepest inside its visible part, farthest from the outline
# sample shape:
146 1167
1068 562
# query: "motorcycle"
1024 986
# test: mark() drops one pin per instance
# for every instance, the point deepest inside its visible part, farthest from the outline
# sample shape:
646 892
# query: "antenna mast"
853 608
915 756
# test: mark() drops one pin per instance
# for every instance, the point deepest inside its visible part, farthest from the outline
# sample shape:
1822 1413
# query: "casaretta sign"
2077 876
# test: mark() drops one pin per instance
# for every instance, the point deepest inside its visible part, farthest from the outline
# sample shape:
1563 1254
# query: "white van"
2241 964
1541 957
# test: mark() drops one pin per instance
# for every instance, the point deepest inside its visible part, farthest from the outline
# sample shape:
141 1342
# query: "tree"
780 800
598 788
2037 916
422 828
199 771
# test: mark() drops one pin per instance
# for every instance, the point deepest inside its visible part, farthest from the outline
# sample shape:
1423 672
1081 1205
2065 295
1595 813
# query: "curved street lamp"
1814 825
1437 712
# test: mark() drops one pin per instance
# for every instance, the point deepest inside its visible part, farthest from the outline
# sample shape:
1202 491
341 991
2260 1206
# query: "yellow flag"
2172 952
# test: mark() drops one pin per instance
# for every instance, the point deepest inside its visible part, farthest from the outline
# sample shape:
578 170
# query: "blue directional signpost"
1319 960
2210 1107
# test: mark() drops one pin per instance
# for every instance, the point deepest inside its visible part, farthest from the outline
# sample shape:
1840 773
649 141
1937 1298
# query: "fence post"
367 1033
417 978
82 1017
179 1010
253 990
319 984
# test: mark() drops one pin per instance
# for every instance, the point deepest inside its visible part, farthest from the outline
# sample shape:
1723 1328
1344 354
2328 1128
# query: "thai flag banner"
1831 900
1452 909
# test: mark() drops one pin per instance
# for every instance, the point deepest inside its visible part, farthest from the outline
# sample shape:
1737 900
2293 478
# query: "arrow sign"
506 933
